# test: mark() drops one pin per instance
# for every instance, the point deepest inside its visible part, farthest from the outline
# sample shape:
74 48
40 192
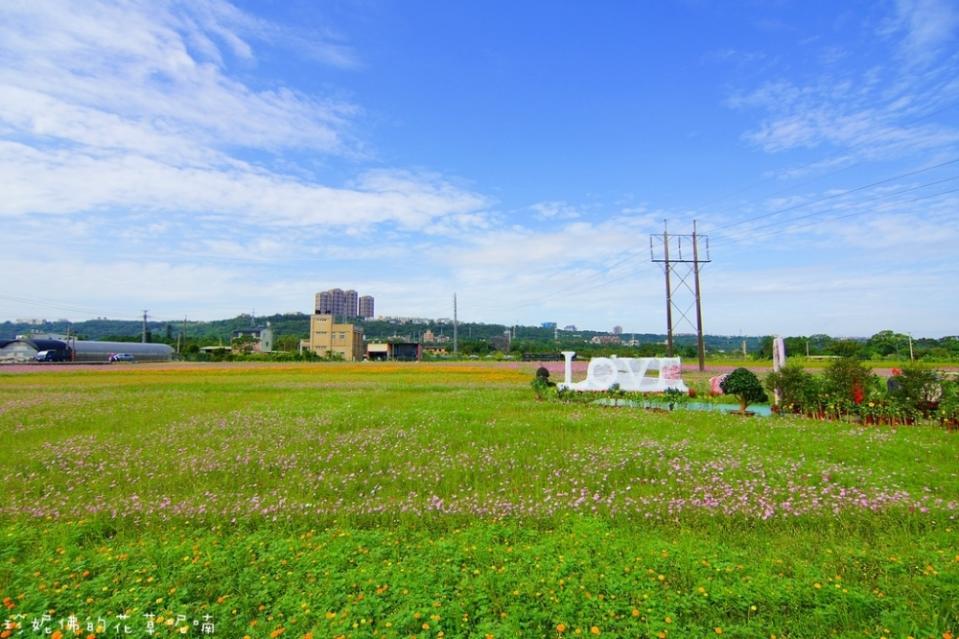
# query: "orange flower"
561 628
8 602
56 635
594 630
276 633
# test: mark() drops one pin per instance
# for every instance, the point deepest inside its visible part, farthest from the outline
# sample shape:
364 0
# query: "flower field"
443 500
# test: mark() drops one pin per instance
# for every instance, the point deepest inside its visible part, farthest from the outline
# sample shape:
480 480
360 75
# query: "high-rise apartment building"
366 306
340 303
350 303
324 303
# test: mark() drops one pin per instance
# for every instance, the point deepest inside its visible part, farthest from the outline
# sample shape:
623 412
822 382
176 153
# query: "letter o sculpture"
602 372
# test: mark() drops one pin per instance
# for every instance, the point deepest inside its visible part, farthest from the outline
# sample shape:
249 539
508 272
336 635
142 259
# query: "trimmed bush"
744 384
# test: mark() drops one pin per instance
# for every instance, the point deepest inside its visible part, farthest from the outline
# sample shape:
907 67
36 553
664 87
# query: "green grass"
392 500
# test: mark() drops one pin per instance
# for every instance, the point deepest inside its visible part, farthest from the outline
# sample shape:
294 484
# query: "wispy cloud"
926 27
852 116
117 107
868 108
555 211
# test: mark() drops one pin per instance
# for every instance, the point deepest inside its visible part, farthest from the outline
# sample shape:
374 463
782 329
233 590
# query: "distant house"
394 350
258 339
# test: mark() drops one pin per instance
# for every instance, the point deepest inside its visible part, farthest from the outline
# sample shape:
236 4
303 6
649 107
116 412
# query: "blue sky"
205 158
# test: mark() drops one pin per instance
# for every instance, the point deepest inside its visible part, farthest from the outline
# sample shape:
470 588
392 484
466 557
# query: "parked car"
49 356
122 357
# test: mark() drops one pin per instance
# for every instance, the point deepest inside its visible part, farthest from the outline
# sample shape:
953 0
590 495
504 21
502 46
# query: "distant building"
392 319
394 350
340 303
428 337
605 339
324 303
338 307
549 325
366 306
569 327
617 330
74 350
351 303
330 339
259 339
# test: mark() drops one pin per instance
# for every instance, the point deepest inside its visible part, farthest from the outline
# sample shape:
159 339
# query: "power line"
838 195
811 223
861 142
879 196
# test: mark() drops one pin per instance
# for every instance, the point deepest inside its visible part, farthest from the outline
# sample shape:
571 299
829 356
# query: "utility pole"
456 336
143 337
679 269
669 294
181 336
911 357
699 306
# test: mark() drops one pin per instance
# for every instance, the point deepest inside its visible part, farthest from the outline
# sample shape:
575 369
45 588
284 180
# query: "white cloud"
866 109
555 211
133 107
927 27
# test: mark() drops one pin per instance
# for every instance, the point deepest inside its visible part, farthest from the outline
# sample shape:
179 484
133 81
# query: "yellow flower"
718 630
669 619
594 630
635 612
